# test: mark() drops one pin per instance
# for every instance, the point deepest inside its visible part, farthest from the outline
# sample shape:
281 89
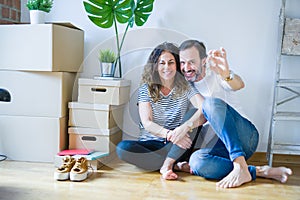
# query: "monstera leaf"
142 11
106 13
103 12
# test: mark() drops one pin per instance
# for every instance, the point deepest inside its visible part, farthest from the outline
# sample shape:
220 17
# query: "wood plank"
119 180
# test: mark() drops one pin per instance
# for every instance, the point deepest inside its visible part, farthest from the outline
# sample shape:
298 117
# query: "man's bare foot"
238 176
166 170
278 173
183 166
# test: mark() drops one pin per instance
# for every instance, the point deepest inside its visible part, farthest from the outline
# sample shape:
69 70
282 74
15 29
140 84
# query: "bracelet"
166 139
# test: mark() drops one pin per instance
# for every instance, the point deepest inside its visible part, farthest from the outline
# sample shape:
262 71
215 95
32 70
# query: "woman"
163 99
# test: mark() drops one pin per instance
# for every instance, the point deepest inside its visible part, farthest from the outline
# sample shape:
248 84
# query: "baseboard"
261 158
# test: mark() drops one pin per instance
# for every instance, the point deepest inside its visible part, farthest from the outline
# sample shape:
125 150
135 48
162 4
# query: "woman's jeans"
151 154
237 136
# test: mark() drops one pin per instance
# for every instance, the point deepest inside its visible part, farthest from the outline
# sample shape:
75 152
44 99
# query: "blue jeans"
150 155
237 136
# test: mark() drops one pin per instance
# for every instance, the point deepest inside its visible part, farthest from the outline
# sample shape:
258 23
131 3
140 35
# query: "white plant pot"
37 17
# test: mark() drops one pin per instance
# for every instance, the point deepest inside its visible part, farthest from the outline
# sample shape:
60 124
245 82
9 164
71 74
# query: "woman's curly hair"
151 77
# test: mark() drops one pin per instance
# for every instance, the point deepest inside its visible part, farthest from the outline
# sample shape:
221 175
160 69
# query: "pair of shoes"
75 170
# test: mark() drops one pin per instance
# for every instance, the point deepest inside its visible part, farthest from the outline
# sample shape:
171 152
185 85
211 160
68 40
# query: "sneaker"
63 172
79 171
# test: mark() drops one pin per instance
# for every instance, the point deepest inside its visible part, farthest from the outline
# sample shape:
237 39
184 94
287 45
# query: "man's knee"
211 102
213 106
197 163
203 164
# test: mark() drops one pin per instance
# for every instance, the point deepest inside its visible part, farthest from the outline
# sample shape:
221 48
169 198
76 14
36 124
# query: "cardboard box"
112 92
291 39
44 94
41 47
98 116
36 139
103 140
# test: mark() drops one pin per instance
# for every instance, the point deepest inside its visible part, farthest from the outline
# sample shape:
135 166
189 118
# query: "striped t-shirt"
167 111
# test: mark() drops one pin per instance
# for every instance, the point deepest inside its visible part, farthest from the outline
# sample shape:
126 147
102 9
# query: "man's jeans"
237 137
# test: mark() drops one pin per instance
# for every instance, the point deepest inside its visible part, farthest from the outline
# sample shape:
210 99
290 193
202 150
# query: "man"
223 158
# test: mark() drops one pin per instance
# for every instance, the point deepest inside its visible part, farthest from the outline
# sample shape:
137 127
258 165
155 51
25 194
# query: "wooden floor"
25 180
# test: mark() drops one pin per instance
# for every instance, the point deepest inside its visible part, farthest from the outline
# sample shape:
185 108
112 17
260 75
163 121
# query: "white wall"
246 28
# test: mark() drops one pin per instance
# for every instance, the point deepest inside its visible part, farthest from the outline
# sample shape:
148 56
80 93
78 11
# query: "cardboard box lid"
66 24
92 106
93 131
105 82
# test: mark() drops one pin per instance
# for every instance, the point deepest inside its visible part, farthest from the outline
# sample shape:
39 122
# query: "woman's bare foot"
183 166
278 173
238 176
169 175
166 170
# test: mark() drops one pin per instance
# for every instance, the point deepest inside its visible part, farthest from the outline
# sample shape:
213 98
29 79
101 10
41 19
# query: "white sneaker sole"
78 177
61 176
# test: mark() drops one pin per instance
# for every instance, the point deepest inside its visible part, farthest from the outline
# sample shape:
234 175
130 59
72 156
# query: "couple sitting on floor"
186 97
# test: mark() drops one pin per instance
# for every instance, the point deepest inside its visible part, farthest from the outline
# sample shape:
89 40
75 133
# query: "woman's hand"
180 138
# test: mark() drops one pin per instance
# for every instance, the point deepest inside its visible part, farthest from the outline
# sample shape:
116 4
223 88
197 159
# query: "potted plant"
107 60
108 13
38 10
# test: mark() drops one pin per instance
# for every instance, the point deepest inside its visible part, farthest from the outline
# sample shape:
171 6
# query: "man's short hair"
194 43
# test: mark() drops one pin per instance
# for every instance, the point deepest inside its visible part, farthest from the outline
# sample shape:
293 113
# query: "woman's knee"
122 147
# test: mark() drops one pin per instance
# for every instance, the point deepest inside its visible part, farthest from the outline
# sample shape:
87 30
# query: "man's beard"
197 74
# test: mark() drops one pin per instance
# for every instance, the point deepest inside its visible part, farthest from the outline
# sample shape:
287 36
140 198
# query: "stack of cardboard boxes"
96 120
38 67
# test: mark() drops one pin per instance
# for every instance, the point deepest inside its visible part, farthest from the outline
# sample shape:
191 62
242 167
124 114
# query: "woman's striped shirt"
167 111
